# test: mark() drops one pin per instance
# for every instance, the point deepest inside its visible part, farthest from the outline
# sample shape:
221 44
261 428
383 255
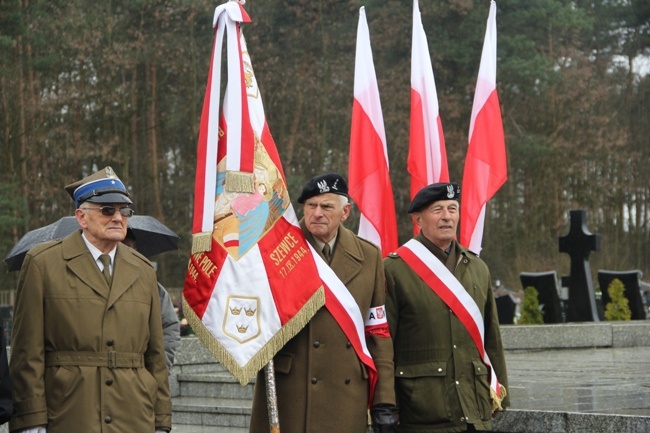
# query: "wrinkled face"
438 222
103 231
323 215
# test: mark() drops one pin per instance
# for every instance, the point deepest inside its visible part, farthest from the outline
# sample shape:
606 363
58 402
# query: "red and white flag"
427 158
253 281
485 166
368 179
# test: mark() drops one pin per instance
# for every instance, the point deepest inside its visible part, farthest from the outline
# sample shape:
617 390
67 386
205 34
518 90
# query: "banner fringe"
201 242
261 358
240 181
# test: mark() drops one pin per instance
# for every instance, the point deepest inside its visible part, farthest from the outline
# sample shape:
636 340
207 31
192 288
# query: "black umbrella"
153 237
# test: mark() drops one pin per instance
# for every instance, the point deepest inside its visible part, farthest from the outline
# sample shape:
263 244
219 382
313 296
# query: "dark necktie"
106 261
327 252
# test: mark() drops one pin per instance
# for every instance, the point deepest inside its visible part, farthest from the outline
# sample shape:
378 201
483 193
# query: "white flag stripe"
423 82
487 74
366 89
234 100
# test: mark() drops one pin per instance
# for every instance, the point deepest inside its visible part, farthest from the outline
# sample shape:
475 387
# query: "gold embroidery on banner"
241 327
202 264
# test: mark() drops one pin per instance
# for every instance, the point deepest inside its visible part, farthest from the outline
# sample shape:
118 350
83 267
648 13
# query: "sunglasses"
126 212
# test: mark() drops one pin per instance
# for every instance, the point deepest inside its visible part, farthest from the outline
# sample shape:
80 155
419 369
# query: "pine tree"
530 312
619 306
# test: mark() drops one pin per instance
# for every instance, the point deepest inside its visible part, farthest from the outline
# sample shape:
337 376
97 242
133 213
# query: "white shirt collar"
96 253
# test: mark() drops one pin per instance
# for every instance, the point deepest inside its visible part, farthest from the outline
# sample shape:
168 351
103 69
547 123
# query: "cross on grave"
578 244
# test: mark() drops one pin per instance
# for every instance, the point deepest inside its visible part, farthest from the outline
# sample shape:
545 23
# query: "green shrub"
619 306
530 311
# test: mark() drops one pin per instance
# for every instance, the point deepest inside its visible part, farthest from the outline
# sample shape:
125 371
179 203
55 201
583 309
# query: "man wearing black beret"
322 386
449 378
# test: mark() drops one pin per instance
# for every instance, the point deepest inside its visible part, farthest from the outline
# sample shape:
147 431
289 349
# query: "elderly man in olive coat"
87 346
322 386
442 383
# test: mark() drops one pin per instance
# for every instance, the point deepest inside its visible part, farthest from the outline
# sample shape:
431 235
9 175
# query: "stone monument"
578 244
549 300
630 280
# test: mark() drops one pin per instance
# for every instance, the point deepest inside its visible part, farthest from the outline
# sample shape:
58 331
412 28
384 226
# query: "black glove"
384 418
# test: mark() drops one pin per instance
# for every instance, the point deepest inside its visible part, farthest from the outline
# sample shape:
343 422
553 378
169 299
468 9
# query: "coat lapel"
347 259
125 273
81 263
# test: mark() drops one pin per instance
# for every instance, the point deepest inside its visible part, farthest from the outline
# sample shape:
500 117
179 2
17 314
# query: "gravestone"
546 285
578 244
505 309
630 280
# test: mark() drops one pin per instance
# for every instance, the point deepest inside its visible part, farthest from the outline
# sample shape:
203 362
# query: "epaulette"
39 248
140 256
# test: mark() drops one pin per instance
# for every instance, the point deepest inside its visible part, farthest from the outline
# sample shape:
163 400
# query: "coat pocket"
282 362
420 392
482 390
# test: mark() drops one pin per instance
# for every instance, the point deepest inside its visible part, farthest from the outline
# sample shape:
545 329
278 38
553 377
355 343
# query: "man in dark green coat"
442 382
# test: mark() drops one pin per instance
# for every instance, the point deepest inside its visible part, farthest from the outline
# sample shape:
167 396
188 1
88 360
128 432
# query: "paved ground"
603 380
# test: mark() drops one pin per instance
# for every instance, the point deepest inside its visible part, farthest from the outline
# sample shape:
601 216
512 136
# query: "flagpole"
272 398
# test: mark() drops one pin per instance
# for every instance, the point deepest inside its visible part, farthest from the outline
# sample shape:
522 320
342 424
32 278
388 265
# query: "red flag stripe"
369 183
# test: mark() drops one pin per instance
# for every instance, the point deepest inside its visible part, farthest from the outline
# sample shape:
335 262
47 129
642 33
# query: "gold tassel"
201 242
239 181
261 358
497 399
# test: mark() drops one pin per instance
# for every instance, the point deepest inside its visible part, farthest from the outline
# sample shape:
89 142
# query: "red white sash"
345 310
434 273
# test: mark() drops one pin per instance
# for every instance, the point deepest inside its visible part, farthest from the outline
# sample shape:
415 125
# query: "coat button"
109 382
314 380
108 420
462 419
110 342
347 380
316 344
348 344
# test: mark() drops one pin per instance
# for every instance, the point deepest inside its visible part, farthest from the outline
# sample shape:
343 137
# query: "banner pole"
271 398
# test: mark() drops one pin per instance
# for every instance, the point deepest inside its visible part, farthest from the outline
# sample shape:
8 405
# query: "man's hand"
384 418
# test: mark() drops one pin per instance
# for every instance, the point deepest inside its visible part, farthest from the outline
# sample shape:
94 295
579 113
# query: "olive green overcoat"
67 323
322 386
441 384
